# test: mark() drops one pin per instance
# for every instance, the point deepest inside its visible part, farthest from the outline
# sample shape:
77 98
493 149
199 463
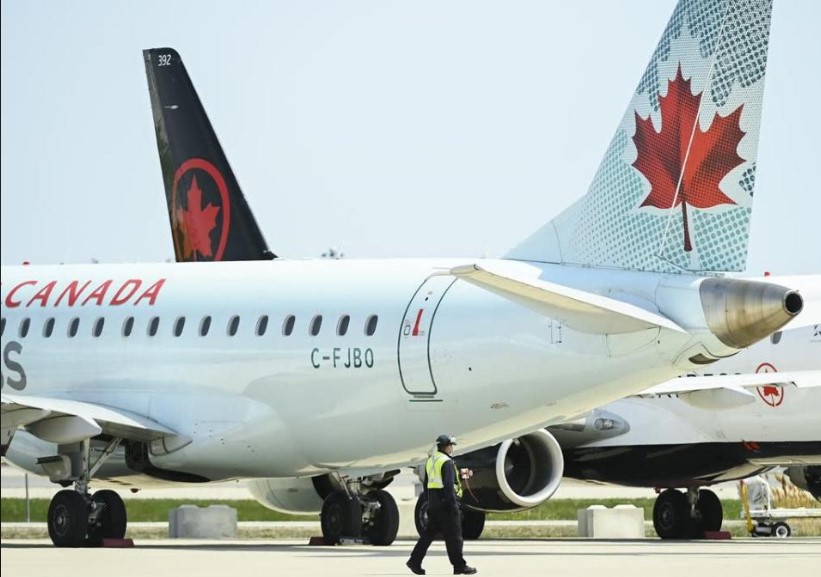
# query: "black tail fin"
210 218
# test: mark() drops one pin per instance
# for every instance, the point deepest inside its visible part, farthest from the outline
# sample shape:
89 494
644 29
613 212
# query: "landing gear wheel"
671 515
112 520
420 514
341 516
781 530
68 519
385 525
473 523
712 514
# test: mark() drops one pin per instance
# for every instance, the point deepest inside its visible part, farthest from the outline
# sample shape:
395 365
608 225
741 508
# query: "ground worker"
444 490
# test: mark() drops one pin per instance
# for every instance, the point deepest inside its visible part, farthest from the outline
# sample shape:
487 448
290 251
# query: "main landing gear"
689 515
361 513
473 522
76 518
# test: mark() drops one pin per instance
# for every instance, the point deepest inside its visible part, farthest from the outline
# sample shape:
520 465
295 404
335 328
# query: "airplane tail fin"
210 218
675 189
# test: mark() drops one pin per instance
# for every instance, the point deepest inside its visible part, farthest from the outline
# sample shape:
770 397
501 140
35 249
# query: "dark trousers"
449 522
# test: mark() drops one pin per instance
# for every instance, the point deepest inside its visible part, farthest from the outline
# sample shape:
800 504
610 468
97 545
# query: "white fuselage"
294 404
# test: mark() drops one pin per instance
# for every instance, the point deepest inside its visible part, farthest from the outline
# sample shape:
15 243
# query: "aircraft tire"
473 523
68 519
386 524
712 514
112 522
341 516
420 513
671 515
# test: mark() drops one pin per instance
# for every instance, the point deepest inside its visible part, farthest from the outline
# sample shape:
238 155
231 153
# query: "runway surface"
554 558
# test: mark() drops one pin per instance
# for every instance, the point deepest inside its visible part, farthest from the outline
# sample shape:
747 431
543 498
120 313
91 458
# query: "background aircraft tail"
675 189
210 218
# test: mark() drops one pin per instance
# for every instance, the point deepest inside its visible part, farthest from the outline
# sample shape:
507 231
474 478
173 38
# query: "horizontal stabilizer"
579 310
26 411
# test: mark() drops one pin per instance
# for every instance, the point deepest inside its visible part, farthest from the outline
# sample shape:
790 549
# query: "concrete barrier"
407 525
213 522
620 522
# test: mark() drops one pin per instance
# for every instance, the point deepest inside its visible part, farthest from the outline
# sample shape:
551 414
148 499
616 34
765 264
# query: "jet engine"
807 478
517 474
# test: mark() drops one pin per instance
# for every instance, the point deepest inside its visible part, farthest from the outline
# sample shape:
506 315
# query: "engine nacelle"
515 475
807 478
299 496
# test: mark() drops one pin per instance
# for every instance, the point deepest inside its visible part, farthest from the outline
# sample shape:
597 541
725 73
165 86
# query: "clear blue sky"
421 128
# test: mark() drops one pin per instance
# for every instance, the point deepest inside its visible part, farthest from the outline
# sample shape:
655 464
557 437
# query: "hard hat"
445 440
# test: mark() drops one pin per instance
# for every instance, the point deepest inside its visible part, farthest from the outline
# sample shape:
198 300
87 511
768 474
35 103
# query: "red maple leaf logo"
682 157
770 391
196 223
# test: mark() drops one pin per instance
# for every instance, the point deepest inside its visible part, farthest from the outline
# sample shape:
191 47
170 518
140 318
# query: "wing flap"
578 309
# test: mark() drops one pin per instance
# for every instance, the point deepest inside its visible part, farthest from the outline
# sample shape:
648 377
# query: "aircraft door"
414 336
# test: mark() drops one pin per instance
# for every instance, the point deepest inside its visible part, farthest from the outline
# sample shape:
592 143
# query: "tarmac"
553 557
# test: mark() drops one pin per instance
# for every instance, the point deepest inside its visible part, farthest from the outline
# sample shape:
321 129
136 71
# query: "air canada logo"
770 394
201 211
683 163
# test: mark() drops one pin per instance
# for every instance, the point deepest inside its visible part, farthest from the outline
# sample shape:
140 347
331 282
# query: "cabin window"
262 325
205 325
370 325
97 330
48 328
73 327
179 325
288 325
128 326
2 326
775 338
342 325
233 325
153 326
24 327
316 324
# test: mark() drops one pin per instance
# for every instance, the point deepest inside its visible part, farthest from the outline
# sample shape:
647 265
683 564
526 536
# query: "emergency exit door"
414 336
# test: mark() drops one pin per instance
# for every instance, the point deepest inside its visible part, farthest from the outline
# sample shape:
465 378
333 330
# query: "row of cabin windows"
232 329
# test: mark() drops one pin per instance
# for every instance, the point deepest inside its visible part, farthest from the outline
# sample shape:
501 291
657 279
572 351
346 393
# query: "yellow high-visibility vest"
433 467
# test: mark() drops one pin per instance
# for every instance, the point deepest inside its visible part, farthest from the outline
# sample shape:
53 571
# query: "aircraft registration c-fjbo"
221 370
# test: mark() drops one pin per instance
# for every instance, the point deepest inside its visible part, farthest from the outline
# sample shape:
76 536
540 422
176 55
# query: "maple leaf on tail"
663 156
196 223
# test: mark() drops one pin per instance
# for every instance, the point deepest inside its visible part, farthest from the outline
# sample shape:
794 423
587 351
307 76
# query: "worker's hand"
466 473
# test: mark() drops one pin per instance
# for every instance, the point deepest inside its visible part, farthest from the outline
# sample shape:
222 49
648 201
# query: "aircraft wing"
687 384
728 391
67 421
578 309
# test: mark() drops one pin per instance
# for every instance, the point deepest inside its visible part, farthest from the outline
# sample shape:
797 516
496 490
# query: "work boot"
416 568
466 570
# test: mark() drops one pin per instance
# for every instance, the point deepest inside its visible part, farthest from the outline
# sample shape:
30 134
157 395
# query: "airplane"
211 371
707 432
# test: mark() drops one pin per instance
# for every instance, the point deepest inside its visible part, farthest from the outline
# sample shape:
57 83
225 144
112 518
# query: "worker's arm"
449 480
